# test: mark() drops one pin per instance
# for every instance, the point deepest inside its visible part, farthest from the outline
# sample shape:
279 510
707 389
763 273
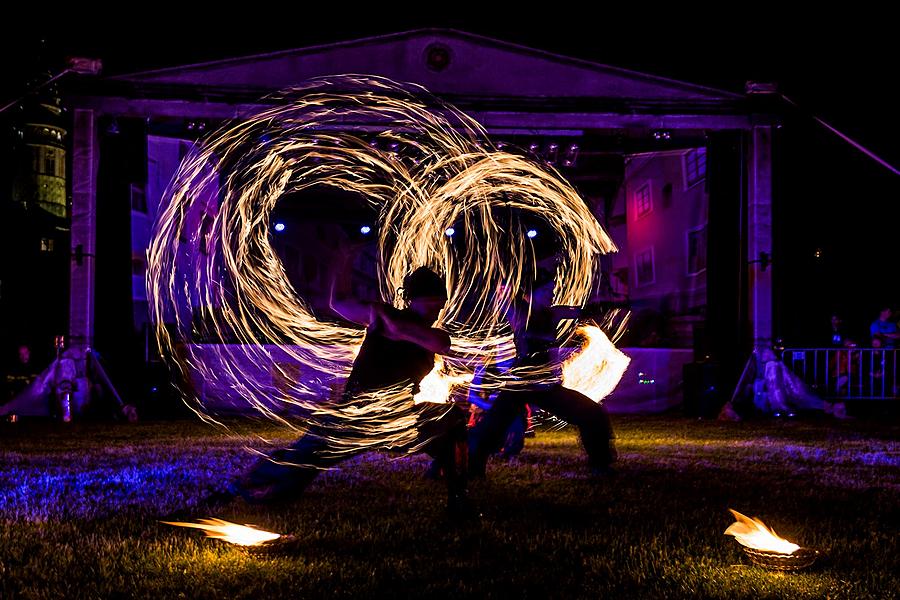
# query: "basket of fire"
767 549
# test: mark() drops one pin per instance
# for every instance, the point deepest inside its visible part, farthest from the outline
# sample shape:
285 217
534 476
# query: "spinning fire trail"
211 259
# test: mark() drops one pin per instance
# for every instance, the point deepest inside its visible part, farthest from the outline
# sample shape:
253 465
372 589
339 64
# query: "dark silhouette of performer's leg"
590 417
443 431
488 435
288 472
569 405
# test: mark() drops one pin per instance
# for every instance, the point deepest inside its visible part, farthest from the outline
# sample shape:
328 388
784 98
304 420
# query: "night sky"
839 67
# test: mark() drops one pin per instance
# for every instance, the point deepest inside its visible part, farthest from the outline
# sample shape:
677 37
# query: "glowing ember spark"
598 368
753 533
242 535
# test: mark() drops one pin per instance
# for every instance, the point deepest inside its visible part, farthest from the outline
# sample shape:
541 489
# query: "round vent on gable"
438 57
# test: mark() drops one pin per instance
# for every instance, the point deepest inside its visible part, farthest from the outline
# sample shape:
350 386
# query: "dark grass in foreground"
79 510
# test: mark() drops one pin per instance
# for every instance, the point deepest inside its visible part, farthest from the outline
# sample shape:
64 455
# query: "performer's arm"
353 310
561 312
399 328
587 311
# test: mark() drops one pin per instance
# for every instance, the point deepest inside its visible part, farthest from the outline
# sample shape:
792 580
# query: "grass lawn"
79 510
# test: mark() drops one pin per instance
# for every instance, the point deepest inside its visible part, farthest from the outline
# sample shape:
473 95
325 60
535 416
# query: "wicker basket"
799 559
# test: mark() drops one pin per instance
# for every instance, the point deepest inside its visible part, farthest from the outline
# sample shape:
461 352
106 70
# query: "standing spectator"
22 373
885 330
838 338
839 363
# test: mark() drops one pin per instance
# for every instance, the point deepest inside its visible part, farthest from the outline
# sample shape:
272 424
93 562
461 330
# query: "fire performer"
399 349
536 348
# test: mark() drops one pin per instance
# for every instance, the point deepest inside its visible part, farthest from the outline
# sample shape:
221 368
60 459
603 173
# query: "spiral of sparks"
211 261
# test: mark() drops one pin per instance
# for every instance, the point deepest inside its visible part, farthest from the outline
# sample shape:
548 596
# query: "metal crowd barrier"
846 373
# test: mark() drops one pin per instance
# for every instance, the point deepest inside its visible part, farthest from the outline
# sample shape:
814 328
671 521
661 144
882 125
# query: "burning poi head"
430 169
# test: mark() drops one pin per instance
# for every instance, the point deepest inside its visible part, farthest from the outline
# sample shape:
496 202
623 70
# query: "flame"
437 385
597 368
753 533
242 535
